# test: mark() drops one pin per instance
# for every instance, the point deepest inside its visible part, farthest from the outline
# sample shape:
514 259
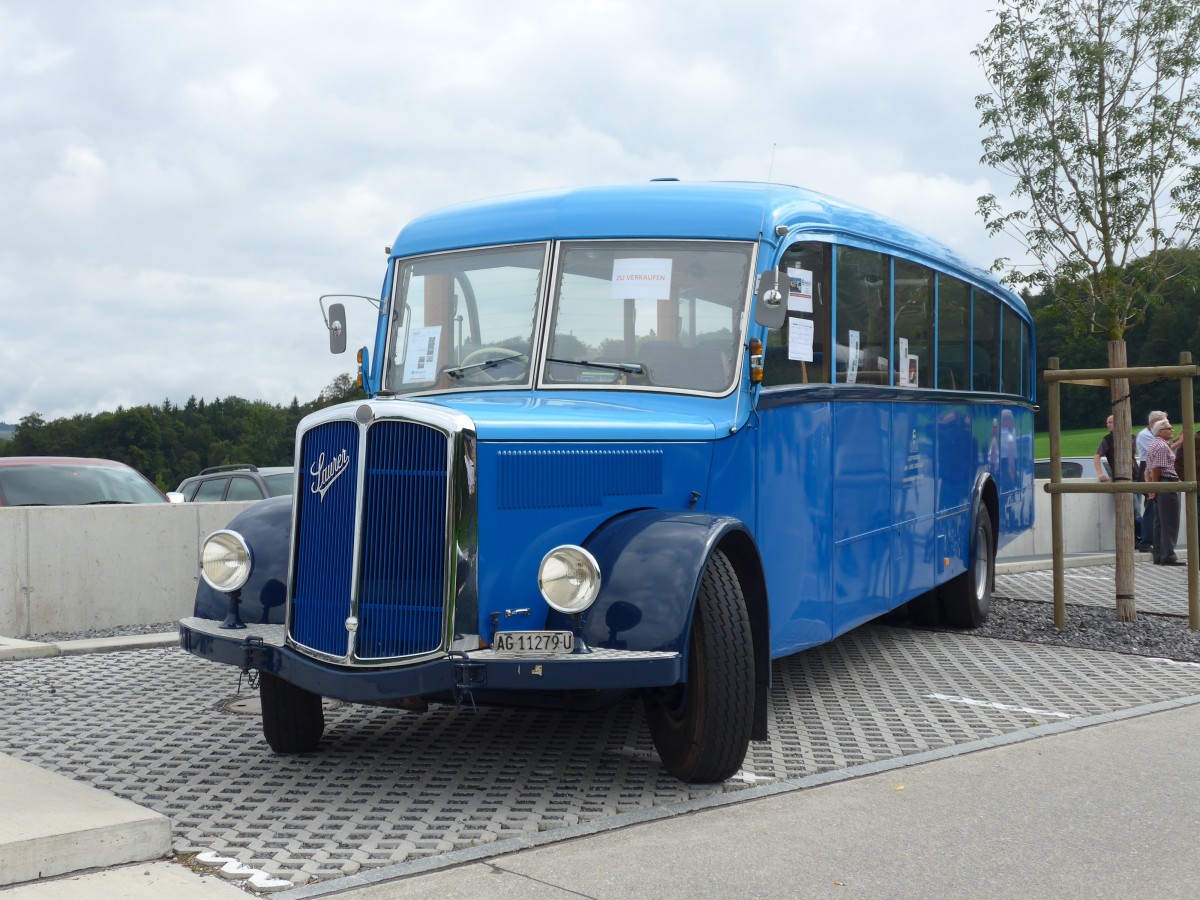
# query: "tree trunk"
1122 474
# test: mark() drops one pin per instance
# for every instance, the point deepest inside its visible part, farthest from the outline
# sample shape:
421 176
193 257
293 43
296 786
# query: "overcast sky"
179 182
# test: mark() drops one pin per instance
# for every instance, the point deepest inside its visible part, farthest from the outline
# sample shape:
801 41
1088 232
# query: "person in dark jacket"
1106 470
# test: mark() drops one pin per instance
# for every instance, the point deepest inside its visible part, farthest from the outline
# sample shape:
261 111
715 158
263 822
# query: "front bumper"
263 647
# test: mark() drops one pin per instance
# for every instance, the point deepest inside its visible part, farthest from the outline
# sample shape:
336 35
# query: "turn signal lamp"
756 361
360 368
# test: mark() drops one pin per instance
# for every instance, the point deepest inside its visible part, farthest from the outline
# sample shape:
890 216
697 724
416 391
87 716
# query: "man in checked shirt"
1160 466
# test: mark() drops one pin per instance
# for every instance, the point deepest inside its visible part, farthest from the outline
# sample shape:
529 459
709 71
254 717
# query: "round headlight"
225 561
569 579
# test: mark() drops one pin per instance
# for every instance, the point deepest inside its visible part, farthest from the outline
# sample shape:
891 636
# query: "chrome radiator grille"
391 502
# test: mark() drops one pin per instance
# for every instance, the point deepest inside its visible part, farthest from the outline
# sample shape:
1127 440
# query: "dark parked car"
237 482
72 481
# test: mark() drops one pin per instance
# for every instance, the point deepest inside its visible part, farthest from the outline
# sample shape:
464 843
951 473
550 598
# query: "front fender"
266 526
651 562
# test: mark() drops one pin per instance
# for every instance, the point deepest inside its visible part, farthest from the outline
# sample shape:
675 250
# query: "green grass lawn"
1080 442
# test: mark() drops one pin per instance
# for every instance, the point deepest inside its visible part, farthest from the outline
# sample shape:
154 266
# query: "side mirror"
770 305
335 319
174 497
336 323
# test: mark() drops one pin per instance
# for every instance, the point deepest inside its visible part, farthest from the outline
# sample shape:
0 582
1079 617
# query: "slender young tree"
1094 114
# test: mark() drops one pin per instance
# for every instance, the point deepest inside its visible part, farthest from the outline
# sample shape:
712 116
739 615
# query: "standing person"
1179 453
1106 453
1144 439
1146 435
1160 467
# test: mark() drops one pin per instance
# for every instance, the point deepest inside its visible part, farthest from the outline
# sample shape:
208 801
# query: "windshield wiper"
457 371
631 368
106 502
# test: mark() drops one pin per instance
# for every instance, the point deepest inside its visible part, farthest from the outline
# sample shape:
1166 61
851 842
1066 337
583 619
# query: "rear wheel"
702 728
292 717
967 599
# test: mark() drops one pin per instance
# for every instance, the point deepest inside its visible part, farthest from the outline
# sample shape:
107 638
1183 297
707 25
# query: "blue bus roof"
669 209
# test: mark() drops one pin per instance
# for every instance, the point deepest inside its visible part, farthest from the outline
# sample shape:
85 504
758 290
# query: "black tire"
967 599
702 728
292 718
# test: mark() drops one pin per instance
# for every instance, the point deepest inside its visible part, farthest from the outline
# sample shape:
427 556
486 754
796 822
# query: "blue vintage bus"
641 438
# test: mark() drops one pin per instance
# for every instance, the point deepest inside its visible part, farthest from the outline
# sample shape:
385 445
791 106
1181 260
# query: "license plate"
534 643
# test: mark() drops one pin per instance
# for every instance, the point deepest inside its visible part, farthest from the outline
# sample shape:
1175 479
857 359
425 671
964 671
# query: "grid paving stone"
1157 589
389 786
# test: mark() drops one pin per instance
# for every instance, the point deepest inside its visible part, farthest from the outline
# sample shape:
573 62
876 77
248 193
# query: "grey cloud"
182 181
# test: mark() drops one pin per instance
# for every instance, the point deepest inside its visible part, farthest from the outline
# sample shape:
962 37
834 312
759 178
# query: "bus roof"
669 209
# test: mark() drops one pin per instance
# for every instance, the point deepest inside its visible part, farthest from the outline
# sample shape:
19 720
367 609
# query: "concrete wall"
74 568
1087 525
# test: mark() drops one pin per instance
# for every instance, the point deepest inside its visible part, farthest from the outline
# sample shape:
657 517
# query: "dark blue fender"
266 526
651 562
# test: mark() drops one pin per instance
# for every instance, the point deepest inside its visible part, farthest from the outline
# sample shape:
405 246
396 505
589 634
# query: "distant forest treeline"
168 443
1171 327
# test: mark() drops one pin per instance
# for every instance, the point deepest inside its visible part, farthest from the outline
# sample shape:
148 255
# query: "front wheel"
292 717
967 599
701 729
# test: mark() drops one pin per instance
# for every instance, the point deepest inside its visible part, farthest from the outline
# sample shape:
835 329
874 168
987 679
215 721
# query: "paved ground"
1159 589
392 794
1109 811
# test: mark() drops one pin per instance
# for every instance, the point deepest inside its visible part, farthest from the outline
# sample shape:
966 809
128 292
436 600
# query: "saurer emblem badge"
325 474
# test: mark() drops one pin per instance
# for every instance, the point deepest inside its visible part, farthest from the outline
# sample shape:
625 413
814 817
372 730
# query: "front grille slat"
401 589
323 567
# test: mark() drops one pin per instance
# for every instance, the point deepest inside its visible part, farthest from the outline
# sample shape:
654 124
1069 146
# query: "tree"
1095 115
342 388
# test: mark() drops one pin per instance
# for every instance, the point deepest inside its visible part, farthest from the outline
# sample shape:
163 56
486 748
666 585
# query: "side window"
210 491
798 353
913 299
1027 367
985 361
242 488
863 317
1010 354
954 320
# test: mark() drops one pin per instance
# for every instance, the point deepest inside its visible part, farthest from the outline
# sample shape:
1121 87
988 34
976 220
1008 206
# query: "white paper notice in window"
641 279
800 290
800 339
420 362
903 373
852 359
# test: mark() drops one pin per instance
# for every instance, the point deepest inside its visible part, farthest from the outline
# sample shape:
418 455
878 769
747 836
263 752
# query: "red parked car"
72 481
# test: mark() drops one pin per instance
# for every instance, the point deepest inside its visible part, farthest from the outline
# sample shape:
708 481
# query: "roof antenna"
770 172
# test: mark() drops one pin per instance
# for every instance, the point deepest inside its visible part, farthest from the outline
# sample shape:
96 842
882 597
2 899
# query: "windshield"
464 320
61 484
649 313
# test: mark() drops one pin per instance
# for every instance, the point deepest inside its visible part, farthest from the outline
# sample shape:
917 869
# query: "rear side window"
279 485
211 490
241 488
